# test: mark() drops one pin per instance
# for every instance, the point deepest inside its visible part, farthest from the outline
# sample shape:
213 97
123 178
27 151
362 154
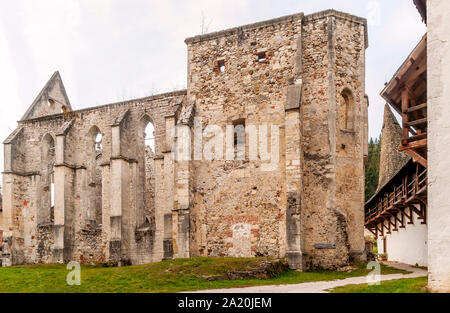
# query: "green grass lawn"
166 276
408 285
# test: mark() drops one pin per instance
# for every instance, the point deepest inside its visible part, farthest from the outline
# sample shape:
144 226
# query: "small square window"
262 57
221 65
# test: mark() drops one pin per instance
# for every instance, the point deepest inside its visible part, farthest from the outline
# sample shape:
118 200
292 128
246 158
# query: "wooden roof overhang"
406 92
421 6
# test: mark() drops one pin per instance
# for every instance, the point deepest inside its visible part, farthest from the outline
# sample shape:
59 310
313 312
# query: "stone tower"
306 75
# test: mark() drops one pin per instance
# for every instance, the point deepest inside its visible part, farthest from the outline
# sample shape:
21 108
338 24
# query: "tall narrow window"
98 142
149 135
52 191
47 202
347 110
239 138
94 201
146 150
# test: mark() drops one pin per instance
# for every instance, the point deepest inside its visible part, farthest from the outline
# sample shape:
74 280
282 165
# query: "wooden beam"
390 223
417 107
410 216
373 232
405 106
414 145
417 137
397 220
423 208
416 122
417 158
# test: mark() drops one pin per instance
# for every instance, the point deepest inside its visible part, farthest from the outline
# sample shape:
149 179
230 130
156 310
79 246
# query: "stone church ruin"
96 185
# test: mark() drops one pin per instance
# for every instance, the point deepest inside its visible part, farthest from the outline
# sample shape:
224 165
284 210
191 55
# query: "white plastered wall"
407 245
438 72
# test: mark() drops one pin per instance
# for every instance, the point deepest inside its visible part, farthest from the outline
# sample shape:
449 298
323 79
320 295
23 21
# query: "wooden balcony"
397 201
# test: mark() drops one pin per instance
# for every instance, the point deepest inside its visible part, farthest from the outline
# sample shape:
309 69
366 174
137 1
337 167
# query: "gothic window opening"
94 196
47 192
348 110
149 135
98 142
146 152
50 102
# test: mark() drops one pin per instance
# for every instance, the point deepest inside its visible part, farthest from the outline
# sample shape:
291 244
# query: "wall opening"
98 142
94 150
50 102
219 66
262 57
147 148
149 134
46 202
239 131
347 110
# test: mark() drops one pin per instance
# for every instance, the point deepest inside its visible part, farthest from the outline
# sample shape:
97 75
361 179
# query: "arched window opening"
52 190
47 191
98 142
146 150
50 102
149 135
348 109
94 201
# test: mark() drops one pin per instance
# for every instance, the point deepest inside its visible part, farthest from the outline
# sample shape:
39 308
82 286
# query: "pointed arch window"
348 110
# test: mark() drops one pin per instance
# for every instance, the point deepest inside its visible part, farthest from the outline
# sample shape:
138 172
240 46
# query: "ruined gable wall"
238 209
84 242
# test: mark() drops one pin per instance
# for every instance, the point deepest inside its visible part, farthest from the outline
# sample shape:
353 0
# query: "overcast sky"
111 50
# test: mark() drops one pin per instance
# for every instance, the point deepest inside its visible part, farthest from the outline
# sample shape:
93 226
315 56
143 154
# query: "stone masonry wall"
299 79
238 208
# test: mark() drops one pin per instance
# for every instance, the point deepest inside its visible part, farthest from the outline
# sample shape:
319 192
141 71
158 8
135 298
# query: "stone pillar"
11 197
8 187
294 253
438 68
181 206
160 202
169 240
63 179
106 207
117 189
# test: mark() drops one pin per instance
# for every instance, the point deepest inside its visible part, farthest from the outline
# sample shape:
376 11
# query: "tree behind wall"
372 167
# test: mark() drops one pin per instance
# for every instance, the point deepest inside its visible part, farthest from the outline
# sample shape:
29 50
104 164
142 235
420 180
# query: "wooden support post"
405 106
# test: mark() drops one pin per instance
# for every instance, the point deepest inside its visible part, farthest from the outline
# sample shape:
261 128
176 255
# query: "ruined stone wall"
298 192
84 225
350 43
239 208
332 137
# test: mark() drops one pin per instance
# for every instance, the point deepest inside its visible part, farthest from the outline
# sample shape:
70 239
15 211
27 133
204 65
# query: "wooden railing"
398 195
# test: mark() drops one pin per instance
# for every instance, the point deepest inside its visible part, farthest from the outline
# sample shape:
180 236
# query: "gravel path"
321 286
